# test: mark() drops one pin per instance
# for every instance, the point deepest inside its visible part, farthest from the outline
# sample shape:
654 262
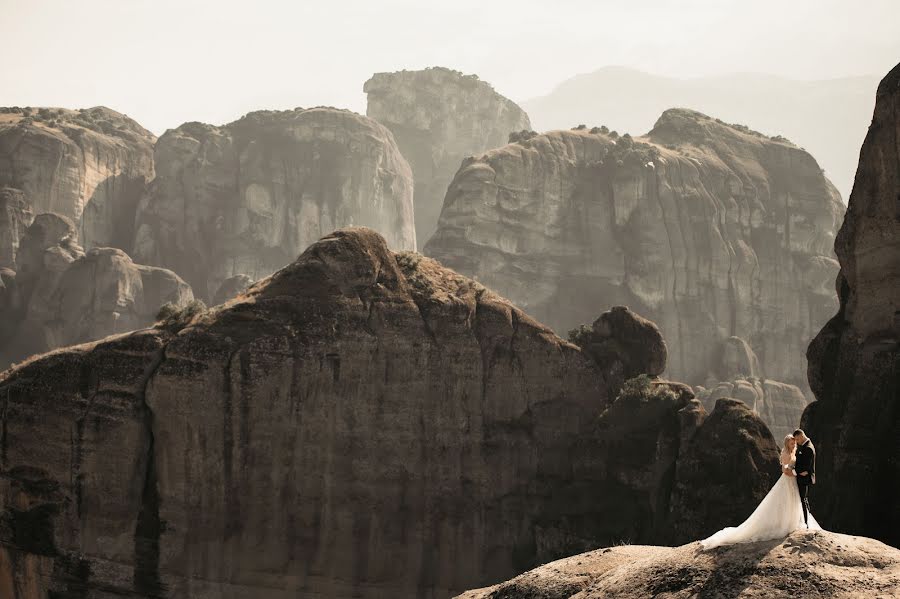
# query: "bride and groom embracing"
786 507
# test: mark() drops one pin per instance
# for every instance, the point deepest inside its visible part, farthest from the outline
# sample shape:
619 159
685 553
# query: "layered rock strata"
709 230
248 197
90 165
439 117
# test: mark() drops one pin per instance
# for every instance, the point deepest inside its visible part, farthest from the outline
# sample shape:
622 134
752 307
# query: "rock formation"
90 165
15 216
624 345
360 423
440 116
708 229
820 564
248 197
828 117
739 376
230 288
60 296
854 361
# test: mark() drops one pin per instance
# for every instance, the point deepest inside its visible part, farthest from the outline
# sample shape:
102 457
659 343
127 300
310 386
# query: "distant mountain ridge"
826 117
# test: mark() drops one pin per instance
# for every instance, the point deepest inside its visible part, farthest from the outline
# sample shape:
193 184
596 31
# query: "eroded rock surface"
360 423
854 361
821 563
249 197
61 295
624 345
440 116
709 230
90 165
231 288
15 216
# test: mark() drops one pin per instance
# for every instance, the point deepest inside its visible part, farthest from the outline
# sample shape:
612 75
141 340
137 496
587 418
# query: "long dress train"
776 516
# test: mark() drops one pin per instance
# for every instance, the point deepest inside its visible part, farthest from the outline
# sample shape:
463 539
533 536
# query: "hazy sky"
164 62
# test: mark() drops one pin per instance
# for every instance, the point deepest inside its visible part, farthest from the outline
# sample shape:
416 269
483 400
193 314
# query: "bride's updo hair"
787 438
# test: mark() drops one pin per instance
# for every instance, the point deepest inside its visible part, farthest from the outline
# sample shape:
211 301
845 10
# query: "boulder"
709 230
440 116
249 197
624 345
854 360
90 165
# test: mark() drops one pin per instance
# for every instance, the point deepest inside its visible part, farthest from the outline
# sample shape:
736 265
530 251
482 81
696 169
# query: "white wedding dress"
776 516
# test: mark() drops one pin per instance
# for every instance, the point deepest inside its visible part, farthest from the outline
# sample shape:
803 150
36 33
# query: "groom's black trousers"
804 500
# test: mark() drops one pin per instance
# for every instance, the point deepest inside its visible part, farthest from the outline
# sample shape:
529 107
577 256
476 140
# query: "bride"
777 515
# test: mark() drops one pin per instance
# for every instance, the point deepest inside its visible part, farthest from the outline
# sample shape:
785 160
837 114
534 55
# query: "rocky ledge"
805 564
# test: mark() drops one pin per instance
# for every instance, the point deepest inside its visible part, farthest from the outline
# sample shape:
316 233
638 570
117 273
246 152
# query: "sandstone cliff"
360 423
805 564
440 116
61 295
709 230
90 165
854 361
248 197
15 216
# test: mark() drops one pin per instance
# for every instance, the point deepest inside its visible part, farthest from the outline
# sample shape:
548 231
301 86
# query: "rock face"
60 295
640 475
90 165
360 423
624 345
780 405
249 197
739 374
15 216
820 563
854 361
230 288
440 116
709 230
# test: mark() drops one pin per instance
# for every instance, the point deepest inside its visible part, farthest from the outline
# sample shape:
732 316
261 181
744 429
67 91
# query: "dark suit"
805 462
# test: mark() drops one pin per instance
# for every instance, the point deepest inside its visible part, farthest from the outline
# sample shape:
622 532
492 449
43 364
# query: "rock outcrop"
61 295
249 197
854 361
820 564
780 405
360 423
739 374
90 165
15 216
440 116
230 288
624 345
707 229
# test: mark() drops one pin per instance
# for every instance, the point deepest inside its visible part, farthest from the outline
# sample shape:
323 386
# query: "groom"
804 469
